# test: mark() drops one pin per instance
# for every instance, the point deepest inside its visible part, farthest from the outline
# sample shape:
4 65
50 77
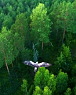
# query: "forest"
38 31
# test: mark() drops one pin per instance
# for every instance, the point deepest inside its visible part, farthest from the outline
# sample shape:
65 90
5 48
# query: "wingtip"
24 62
50 64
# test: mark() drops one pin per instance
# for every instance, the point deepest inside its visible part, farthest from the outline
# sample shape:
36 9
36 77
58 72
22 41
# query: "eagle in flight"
36 65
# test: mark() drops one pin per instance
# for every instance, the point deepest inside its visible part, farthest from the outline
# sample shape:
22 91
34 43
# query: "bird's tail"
35 69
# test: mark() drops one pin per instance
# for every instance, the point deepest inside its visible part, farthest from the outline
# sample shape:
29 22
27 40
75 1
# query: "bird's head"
48 64
25 62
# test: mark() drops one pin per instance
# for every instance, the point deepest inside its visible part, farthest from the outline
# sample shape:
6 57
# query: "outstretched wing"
30 63
44 64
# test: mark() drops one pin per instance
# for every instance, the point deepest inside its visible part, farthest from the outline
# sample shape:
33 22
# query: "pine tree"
47 91
37 91
62 82
68 91
40 24
6 48
41 78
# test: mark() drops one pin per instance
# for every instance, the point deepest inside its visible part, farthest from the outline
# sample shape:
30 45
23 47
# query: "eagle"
37 65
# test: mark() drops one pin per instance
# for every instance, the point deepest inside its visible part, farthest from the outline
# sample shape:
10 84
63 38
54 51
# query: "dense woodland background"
38 30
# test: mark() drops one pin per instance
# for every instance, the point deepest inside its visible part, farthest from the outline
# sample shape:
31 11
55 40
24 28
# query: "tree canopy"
39 31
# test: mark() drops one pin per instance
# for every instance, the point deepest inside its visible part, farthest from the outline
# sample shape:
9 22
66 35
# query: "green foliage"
31 90
67 58
72 15
26 54
1 59
24 86
66 52
7 21
63 15
74 70
64 61
2 18
37 91
52 83
73 81
60 63
74 90
20 8
37 78
62 82
68 91
41 77
40 24
20 30
6 47
47 91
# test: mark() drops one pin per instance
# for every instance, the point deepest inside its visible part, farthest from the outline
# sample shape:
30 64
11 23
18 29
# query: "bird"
36 65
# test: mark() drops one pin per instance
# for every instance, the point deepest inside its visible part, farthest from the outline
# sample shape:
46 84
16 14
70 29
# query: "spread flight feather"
37 65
